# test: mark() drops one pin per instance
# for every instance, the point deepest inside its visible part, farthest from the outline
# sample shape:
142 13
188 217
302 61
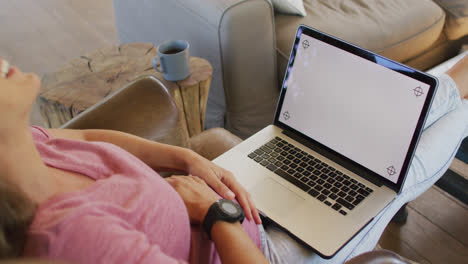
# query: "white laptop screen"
356 107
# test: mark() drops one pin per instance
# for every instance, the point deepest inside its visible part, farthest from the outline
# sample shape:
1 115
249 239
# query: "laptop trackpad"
272 196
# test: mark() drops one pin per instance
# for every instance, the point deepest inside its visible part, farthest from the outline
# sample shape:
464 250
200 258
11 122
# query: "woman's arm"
156 155
234 245
162 157
231 241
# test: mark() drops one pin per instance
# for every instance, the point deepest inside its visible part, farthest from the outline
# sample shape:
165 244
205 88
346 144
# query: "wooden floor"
435 232
40 35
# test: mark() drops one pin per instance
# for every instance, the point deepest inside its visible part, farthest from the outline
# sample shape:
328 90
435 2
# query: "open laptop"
345 130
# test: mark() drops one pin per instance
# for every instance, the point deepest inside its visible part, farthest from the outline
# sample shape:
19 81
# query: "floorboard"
428 240
443 211
40 36
394 243
460 167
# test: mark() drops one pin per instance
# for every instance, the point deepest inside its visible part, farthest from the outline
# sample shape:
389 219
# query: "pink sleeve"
100 239
39 134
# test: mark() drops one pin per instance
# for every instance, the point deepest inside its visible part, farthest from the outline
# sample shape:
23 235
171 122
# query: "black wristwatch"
222 210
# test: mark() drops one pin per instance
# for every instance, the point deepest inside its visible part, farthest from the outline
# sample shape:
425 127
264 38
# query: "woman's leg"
447 99
436 150
434 154
453 84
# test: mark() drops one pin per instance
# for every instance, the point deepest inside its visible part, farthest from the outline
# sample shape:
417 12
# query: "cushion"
456 25
398 29
291 7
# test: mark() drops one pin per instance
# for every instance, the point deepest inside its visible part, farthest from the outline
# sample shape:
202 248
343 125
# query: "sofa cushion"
456 25
398 29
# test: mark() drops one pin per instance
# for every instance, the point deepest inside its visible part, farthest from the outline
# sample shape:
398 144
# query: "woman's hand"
223 182
197 196
232 242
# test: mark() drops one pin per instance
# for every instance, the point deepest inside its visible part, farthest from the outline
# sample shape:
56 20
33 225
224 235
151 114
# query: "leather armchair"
145 107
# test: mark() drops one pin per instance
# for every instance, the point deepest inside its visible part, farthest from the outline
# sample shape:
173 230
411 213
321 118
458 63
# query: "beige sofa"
248 43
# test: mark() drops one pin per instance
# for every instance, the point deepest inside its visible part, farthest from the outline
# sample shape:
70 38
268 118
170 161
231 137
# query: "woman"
99 198
70 176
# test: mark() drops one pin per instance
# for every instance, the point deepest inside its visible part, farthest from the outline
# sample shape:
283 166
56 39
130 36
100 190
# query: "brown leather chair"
145 107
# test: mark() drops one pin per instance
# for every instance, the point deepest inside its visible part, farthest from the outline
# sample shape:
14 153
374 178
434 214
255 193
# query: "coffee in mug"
173 51
174 60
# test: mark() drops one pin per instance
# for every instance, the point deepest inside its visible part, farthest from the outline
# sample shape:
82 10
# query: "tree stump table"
86 80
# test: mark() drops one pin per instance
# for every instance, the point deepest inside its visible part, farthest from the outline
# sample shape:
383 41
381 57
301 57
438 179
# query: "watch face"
229 208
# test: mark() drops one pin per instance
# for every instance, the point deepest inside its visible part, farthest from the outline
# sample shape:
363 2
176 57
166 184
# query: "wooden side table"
84 81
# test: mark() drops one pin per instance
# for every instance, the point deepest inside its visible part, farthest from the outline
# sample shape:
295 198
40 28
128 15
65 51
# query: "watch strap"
215 214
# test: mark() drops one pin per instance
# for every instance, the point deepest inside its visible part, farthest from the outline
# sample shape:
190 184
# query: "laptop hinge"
335 158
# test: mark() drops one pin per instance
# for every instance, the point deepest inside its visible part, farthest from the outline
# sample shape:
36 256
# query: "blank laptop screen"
358 108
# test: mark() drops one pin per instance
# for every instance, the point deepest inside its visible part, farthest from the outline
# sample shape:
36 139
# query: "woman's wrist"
171 157
187 157
234 244
220 228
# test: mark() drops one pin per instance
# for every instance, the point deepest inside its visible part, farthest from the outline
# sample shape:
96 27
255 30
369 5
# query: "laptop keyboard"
327 184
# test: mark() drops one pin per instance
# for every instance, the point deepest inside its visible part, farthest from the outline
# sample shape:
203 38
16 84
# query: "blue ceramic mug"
174 60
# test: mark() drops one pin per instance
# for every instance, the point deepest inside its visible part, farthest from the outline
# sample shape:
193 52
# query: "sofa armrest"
236 36
213 142
144 107
456 21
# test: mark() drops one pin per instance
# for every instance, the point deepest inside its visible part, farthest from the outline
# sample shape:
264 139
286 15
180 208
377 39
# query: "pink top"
129 215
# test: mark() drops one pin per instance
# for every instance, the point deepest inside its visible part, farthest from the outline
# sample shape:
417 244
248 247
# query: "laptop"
345 130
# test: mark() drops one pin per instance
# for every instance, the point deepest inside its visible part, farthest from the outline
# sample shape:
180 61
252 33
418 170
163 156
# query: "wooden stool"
85 81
